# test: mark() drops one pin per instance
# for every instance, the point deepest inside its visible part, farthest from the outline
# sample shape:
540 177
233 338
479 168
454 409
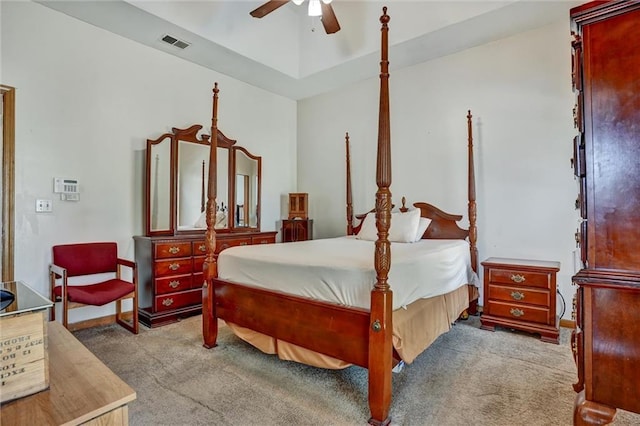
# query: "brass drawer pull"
174 250
202 247
517 295
516 312
264 242
174 266
517 278
244 243
167 302
174 284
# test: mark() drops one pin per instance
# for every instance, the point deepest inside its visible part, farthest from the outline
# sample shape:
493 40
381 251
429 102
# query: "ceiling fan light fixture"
314 8
326 1
297 2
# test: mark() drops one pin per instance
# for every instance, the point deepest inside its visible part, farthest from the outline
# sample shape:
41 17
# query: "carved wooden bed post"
349 194
209 320
473 230
380 344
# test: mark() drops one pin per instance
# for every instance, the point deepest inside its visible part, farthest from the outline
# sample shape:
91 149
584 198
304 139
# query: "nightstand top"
492 261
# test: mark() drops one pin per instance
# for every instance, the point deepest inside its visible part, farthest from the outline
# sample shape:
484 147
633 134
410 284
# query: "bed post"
209 320
380 345
349 194
473 230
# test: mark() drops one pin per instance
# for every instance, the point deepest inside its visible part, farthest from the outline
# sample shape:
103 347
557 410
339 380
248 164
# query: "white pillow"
404 227
368 230
422 228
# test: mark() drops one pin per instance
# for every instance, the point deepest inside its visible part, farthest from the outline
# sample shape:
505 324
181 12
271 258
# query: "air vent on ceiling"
175 42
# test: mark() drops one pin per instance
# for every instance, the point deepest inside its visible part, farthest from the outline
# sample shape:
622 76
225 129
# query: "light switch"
44 206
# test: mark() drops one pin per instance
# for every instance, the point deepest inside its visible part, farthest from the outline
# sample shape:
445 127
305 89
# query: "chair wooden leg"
132 326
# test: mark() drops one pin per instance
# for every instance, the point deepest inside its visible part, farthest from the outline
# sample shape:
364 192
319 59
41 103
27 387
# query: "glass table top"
16 297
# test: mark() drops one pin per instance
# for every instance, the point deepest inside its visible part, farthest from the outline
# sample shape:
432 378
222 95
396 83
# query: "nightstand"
521 294
297 230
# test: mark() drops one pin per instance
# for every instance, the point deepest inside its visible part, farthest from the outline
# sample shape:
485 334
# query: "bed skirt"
415 327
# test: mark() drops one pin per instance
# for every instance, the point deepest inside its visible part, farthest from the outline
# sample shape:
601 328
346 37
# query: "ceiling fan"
316 8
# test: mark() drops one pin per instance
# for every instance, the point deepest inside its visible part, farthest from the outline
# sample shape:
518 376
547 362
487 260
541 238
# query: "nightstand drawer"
519 277
528 296
518 312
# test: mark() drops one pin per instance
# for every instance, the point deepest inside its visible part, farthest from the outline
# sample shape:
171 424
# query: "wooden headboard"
443 225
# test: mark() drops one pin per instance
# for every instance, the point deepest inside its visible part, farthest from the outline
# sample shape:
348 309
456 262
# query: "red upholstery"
96 294
86 258
85 261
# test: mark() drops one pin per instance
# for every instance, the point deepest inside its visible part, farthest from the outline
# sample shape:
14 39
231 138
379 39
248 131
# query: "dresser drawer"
172 249
199 248
173 267
519 277
172 301
225 243
519 312
173 284
529 296
263 239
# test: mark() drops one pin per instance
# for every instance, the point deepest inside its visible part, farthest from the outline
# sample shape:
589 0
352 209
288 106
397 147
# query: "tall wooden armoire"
606 79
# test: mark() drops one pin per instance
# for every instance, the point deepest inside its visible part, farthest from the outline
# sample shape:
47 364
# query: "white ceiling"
288 52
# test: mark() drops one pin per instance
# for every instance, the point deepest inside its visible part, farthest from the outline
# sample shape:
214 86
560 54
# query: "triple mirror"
177 184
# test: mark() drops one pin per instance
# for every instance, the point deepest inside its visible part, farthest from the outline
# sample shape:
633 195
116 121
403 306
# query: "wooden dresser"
606 76
521 294
170 272
297 230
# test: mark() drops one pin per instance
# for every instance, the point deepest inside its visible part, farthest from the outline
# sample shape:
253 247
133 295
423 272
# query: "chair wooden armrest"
58 270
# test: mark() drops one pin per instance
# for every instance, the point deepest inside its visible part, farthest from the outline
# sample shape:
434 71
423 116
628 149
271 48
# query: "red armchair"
84 260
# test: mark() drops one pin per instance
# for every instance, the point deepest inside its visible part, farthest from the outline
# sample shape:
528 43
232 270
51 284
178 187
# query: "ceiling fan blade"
329 20
267 8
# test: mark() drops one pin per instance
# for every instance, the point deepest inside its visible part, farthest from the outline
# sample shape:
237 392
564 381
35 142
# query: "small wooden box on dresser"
170 275
606 340
521 294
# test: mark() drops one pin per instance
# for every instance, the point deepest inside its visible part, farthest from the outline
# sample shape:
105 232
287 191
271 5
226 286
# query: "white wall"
86 101
519 92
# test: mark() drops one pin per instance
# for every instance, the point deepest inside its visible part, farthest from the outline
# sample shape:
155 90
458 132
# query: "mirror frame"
147 184
190 134
232 178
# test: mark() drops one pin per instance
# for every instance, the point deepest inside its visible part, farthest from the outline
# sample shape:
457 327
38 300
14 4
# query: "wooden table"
82 389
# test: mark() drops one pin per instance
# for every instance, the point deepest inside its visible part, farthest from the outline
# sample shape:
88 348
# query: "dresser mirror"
176 184
247 172
158 185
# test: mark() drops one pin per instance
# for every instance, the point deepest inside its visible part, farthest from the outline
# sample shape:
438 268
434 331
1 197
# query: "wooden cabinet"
298 205
521 294
606 341
297 230
170 274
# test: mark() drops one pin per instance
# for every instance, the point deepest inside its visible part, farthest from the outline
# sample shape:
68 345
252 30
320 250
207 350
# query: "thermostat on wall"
66 186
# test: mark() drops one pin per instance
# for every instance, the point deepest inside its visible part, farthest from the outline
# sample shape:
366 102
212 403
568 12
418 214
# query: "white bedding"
341 270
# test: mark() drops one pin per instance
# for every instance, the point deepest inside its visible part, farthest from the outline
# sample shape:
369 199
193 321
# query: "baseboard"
567 323
95 322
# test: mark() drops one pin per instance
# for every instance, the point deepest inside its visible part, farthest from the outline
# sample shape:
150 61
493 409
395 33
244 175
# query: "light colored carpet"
468 376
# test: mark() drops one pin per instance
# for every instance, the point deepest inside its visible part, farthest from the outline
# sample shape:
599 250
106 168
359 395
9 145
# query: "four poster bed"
325 302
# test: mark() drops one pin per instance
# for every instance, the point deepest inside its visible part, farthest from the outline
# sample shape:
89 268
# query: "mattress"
341 270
